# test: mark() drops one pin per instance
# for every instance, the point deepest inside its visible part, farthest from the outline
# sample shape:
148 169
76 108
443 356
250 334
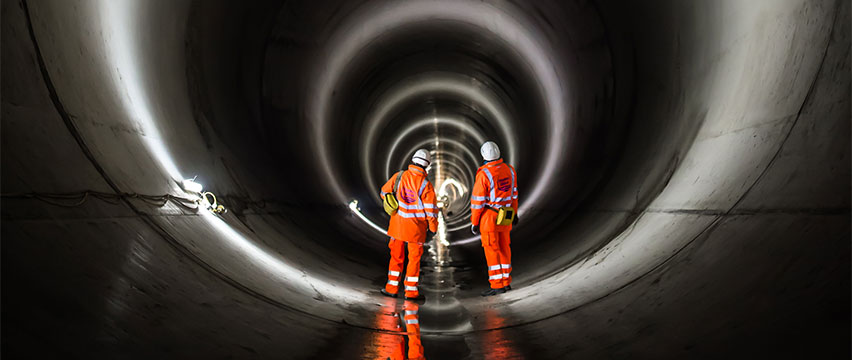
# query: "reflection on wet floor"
385 344
401 336
443 312
496 344
439 327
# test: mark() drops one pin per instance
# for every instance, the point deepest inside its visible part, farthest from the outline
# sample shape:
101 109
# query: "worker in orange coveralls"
495 187
417 215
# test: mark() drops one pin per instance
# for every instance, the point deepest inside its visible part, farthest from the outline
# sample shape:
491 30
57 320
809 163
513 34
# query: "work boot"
385 293
508 287
492 292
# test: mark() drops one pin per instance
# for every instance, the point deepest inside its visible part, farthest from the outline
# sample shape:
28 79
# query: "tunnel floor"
448 330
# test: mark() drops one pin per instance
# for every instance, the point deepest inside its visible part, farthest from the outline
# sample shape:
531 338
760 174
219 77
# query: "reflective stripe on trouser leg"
412 272
492 256
397 258
507 274
505 256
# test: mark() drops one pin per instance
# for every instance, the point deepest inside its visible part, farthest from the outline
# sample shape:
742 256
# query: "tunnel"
683 172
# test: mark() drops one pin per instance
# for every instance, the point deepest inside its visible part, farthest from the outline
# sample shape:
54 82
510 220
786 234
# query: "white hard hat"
489 151
421 157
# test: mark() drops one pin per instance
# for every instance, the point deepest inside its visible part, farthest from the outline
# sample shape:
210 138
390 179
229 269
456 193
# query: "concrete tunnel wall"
698 207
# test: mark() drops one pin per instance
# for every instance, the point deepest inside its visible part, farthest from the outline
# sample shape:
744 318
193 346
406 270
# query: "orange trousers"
412 273
498 254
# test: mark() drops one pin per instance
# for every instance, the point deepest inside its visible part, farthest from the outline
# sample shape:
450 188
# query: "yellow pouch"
505 216
390 203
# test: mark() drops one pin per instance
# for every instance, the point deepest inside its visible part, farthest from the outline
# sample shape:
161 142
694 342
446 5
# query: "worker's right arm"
387 188
430 206
478 197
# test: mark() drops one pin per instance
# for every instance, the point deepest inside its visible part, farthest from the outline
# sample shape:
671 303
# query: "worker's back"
417 207
495 187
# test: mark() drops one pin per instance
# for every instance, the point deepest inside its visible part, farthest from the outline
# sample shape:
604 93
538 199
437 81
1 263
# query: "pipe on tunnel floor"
684 175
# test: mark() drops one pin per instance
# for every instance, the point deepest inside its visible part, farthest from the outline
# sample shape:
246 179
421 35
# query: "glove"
474 229
429 234
515 220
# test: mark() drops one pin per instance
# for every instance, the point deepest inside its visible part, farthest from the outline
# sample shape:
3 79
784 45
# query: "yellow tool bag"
390 202
505 216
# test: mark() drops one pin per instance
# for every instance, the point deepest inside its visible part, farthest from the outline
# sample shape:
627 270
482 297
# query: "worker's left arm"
430 205
478 198
514 189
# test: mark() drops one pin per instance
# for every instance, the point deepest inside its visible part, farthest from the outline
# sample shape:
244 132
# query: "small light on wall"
353 205
189 185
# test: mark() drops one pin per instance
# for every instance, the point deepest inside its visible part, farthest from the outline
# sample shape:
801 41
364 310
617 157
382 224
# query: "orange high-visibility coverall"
495 187
417 210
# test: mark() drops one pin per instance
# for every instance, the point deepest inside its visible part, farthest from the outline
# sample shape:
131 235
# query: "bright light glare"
273 265
442 236
442 191
189 185
120 30
119 21
353 205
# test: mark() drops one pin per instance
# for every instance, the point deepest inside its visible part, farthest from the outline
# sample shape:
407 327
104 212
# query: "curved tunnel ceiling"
684 176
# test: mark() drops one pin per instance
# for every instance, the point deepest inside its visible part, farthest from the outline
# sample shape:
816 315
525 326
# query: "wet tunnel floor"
446 326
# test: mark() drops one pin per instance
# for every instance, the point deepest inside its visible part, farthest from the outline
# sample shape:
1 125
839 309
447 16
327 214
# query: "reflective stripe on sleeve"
477 206
507 203
410 207
514 184
478 198
410 312
412 279
410 215
490 183
411 322
429 206
422 186
419 197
